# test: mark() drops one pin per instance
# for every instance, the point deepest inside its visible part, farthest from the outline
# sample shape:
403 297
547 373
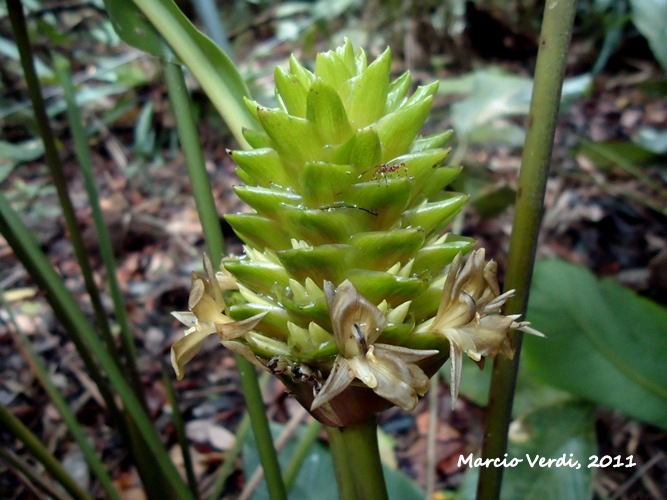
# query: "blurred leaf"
493 95
530 394
493 199
653 140
9 50
315 479
12 154
610 154
563 431
649 18
144 133
604 342
136 30
498 132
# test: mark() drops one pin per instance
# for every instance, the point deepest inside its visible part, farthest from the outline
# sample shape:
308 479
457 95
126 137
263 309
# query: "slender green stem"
549 71
260 429
230 459
358 447
39 451
194 158
211 226
301 452
18 22
36 480
90 347
179 424
38 368
104 240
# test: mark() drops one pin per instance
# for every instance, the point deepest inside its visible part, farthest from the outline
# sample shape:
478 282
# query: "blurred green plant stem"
549 71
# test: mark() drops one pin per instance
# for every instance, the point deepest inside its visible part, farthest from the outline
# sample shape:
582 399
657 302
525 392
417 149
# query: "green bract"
349 205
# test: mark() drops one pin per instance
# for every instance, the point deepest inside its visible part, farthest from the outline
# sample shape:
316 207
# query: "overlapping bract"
342 274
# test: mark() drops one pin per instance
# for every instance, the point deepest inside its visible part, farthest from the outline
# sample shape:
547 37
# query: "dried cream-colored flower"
389 370
469 314
206 317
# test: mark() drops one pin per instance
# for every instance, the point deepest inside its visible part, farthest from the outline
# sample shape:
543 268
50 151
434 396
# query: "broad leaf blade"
604 343
563 431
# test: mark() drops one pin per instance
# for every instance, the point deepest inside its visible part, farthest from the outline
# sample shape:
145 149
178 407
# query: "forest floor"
604 217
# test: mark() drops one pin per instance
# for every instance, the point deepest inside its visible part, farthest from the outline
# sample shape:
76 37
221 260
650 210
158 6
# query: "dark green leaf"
562 431
604 342
135 29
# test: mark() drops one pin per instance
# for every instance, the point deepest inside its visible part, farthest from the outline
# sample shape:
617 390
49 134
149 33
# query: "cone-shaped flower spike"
340 289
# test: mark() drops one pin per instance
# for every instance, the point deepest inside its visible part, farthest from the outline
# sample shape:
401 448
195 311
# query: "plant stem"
549 72
179 425
39 451
18 22
105 247
301 452
357 461
344 479
260 429
213 69
211 226
194 159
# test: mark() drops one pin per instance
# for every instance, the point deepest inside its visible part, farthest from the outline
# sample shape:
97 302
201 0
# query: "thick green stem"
549 72
357 461
344 478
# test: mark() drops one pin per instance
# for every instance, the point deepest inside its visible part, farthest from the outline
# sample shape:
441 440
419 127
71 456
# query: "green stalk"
211 226
301 452
179 424
39 451
89 346
220 81
104 240
357 446
209 15
194 159
227 466
35 479
260 429
37 366
549 71
52 157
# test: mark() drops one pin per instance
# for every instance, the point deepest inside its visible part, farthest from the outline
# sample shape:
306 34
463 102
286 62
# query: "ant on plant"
383 169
